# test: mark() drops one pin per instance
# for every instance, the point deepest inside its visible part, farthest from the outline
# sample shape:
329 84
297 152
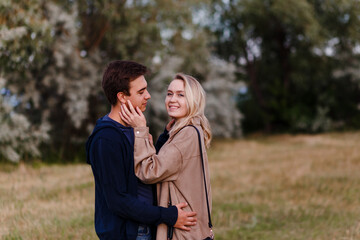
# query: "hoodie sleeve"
109 166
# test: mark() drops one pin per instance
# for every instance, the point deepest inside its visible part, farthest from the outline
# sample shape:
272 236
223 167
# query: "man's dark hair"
117 78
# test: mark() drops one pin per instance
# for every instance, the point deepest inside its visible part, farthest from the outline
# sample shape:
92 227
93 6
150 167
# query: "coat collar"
194 121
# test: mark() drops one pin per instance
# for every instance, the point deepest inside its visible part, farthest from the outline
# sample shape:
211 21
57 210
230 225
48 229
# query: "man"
124 206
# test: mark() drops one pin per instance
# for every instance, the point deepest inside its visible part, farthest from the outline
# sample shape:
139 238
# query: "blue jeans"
144 233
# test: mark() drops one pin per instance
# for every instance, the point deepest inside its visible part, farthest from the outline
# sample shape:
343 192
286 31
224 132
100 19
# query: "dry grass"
287 187
51 202
280 187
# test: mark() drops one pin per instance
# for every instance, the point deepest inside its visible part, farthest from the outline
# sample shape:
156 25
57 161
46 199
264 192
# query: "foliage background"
300 60
267 66
53 54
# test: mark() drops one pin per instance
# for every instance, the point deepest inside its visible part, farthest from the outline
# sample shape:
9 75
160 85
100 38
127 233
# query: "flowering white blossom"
74 76
70 79
221 90
11 34
17 136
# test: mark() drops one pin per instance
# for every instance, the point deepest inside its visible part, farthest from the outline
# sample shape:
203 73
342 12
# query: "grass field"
273 188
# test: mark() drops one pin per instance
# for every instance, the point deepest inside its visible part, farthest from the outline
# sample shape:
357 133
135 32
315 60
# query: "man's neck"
114 115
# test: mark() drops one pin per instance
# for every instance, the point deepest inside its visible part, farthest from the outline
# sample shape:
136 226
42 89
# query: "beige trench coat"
176 168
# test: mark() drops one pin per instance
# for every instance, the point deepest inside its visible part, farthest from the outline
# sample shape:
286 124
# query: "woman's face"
175 100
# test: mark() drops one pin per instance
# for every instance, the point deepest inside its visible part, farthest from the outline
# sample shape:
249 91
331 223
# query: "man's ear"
121 97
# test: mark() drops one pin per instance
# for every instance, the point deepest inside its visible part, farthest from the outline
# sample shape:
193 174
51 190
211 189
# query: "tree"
24 37
53 53
289 52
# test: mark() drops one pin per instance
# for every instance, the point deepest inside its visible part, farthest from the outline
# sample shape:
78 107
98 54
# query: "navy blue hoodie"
118 212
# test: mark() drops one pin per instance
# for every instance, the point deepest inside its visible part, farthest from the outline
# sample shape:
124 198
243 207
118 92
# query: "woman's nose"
172 98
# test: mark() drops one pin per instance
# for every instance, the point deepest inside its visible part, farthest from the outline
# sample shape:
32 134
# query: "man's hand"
185 219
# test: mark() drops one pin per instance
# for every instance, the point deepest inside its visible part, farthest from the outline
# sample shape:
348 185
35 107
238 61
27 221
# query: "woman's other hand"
132 117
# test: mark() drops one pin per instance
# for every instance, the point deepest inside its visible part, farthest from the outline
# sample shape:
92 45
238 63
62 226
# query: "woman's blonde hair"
195 101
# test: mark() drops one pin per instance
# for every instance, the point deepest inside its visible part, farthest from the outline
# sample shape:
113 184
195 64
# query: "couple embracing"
145 191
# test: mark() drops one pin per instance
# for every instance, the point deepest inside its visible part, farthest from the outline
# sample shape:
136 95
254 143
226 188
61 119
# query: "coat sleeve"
151 167
111 171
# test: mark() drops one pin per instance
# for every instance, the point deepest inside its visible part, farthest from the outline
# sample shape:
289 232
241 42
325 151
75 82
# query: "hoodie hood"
100 125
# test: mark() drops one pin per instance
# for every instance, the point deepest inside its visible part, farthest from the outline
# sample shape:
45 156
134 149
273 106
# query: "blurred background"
268 66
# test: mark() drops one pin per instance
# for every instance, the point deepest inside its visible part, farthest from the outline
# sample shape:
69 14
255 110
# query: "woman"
177 167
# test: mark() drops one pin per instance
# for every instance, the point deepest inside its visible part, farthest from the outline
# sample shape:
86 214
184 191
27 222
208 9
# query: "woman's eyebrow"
176 91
